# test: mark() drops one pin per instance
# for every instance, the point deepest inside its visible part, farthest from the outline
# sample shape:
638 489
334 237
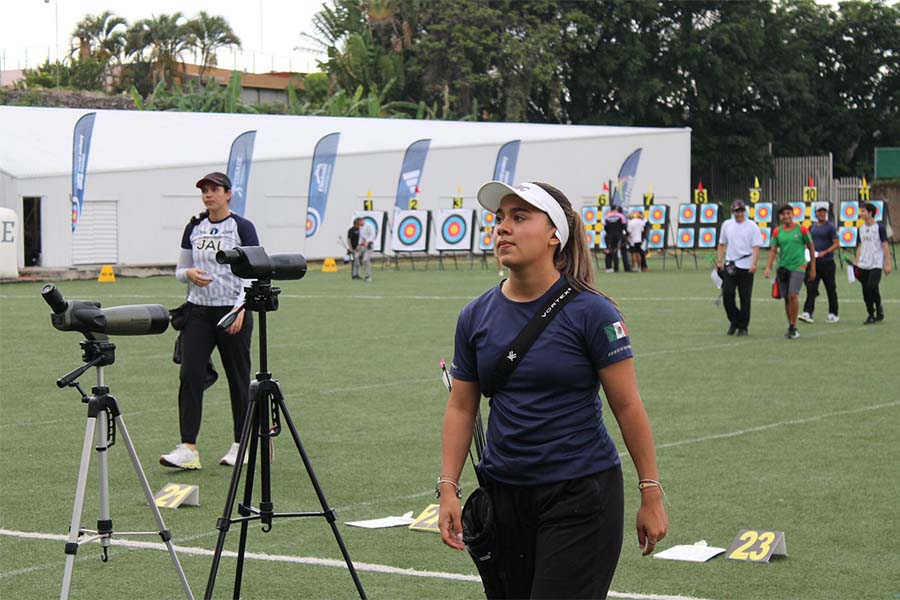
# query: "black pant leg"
729 287
235 353
745 293
827 274
870 280
579 536
812 290
197 340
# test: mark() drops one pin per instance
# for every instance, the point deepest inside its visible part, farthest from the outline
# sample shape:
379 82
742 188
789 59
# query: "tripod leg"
163 532
104 523
330 515
75 523
225 520
244 508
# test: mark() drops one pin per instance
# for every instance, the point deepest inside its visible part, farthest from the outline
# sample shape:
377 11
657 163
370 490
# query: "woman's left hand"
652 521
237 325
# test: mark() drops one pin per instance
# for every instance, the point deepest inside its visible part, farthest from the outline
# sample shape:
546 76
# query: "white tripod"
103 419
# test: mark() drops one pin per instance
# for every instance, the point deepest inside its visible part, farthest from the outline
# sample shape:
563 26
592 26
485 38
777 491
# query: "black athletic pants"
198 338
870 280
825 274
560 540
613 245
742 282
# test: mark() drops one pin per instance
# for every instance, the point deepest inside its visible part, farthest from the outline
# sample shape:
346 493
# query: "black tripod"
265 395
104 419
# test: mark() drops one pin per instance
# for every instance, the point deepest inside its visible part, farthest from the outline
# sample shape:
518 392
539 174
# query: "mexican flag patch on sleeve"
616 331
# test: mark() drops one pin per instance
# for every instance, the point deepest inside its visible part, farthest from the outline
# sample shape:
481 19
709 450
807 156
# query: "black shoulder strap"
507 362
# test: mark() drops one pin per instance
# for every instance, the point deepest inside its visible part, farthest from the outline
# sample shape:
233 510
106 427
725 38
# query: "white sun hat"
492 192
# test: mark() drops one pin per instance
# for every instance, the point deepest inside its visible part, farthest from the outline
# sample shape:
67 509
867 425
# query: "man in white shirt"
872 256
636 225
742 239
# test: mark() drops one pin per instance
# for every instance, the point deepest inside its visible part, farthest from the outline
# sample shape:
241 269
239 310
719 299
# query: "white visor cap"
491 193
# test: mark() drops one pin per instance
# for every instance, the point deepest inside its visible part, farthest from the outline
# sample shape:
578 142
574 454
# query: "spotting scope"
86 316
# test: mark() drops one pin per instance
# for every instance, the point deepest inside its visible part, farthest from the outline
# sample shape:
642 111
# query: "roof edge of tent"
644 131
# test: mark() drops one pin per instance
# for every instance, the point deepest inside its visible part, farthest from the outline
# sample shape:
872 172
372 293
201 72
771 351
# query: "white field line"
306 560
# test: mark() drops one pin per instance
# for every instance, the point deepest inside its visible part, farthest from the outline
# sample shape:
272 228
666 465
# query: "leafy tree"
100 36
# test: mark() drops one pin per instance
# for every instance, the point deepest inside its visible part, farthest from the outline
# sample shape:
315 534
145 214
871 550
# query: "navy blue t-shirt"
546 422
823 237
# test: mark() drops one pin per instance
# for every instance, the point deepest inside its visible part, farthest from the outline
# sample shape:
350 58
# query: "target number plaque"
427 519
751 545
173 495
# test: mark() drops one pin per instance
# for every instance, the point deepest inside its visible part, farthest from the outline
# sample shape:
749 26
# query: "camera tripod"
265 399
103 420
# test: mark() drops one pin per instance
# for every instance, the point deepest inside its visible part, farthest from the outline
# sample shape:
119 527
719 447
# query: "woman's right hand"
450 521
198 277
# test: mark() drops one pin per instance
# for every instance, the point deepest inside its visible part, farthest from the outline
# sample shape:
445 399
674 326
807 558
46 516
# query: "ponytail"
574 261
200 217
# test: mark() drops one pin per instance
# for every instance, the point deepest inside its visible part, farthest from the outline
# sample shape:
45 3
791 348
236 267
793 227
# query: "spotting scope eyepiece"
87 317
252 262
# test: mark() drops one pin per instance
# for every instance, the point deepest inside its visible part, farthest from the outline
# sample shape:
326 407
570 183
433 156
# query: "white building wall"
154 203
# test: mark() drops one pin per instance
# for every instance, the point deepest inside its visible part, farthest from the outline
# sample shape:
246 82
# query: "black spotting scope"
252 262
87 317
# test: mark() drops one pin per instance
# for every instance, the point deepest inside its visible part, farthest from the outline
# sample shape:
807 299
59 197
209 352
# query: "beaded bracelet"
645 484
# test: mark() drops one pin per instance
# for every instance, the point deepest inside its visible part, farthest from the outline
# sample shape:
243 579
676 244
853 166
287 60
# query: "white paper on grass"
383 522
717 281
697 552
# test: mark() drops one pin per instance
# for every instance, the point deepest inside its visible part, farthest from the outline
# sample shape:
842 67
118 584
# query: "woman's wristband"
649 484
443 480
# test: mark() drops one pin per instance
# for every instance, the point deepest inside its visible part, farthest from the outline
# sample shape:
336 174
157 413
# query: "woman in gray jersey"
213 292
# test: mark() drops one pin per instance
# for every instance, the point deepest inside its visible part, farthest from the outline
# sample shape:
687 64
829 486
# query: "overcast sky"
269 29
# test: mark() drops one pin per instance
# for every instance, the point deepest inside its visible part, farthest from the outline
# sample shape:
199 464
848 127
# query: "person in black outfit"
825 241
616 228
353 243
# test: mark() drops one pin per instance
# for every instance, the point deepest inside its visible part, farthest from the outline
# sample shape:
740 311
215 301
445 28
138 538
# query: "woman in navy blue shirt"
552 470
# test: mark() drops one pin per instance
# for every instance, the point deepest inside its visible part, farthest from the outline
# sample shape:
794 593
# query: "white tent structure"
139 190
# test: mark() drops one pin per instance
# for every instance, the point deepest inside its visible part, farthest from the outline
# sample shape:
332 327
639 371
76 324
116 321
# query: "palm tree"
209 33
160 41
100 36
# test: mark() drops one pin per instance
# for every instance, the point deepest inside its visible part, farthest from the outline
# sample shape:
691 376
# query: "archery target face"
709 213
312 222
687 214
686 238
486 240
848 236
591 237
766 233
657 215
798 210
487 218
603 212
763 212
410 230
706 237
656 239
589 215
879 209
454 229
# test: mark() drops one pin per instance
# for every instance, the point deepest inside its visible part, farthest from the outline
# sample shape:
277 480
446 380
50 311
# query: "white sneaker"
806 317
230 458
832 318
181 457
